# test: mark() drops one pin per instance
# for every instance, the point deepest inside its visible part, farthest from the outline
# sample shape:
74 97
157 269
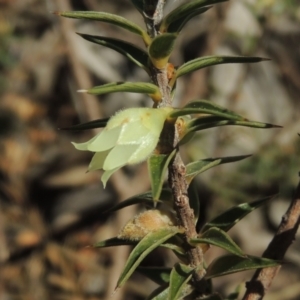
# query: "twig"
169 140
283 238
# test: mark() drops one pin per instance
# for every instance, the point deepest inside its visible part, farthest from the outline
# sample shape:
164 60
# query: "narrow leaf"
217 237
205 107
161 48
132 52
178 25
185 10
100 123
113 242
204 123
131 87
142 249
159 275
176 249
195 168
161 293
229 218
157 166
180 276
104 17
145 198
207 61
232 264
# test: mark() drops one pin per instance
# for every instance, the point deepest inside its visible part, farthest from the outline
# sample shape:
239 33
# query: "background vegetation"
50 210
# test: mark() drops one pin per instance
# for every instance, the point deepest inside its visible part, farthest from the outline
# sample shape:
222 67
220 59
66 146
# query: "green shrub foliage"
156 134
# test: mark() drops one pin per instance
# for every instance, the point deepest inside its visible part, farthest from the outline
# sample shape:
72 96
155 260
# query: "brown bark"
285 235
169 140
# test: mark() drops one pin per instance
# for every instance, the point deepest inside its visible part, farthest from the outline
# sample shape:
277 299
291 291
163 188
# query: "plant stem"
168 141
283 238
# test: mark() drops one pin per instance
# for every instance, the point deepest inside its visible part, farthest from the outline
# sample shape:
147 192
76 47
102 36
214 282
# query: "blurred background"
51 210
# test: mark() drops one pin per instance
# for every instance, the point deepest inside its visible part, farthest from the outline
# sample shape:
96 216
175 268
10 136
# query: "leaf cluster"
197 115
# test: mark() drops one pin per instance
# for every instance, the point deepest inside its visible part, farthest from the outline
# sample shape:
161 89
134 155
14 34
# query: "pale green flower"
128 138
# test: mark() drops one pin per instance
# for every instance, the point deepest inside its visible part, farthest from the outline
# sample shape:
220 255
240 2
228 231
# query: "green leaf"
157 166
100 123
104 17
151 241
191 130
132 52
178 25
112 242
159 275
180 276
229 264
185 10
194 199
206 122
161 293
229 218
115 241
145 198
161 48
131 87
205 107
175 248
195 168
207 61
217 237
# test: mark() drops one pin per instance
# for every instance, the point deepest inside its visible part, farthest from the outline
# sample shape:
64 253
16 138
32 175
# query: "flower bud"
146 222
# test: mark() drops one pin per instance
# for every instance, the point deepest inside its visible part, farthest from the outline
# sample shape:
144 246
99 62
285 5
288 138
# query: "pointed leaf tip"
143 248
229 218
131 51
232 264
207 61
105 17
195 168
217 237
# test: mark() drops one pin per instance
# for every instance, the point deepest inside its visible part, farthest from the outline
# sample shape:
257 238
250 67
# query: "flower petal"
132 133
106 140
154 118
98 160
119 156
144 150
125 116
84 146
106 175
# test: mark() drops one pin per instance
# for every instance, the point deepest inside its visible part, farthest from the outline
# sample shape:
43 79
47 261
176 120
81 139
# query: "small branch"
160 78
186 217
169 139
284 237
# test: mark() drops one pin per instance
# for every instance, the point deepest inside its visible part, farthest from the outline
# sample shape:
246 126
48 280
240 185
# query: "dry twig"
262 279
